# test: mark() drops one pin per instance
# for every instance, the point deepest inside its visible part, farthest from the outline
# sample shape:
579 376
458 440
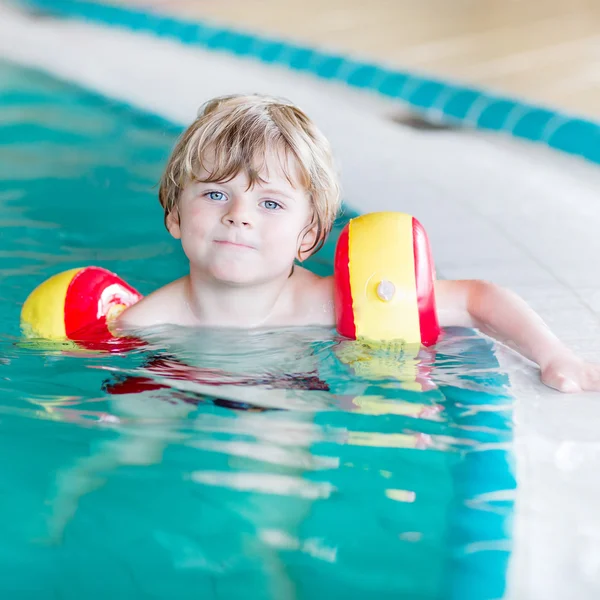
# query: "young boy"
250 187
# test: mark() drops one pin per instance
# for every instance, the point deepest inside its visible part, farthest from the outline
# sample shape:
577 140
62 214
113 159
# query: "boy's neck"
217 304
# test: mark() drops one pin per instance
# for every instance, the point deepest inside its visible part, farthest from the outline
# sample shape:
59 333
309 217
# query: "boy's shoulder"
161 306
313 297
311 282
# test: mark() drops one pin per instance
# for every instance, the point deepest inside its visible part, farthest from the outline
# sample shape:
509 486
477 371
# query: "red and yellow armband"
77 305
384 278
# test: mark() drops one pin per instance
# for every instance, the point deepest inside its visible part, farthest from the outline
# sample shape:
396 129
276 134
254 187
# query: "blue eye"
271 205
217 196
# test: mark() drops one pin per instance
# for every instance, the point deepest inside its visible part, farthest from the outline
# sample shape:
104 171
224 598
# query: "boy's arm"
138 315
159 308
148 312
505 316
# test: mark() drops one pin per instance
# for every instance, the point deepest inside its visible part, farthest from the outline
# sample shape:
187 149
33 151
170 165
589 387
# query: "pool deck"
545 52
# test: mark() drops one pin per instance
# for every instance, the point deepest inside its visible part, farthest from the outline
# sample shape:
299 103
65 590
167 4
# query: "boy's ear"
307 242
172 223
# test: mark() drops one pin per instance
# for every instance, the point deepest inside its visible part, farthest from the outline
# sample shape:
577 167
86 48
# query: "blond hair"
238 131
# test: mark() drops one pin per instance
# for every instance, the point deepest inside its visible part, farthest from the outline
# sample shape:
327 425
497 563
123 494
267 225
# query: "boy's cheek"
195 228
283 246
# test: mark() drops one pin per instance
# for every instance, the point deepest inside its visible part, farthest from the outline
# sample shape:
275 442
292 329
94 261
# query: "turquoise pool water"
273 465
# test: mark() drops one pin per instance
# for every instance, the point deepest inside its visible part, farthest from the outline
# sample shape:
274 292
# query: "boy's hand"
566 372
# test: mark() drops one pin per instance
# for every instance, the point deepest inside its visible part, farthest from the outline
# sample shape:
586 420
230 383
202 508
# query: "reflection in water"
219 464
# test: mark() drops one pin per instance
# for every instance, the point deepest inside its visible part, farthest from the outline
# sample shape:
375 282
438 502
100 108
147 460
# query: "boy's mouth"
234 244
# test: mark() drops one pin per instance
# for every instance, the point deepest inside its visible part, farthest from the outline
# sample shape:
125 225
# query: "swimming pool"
292 478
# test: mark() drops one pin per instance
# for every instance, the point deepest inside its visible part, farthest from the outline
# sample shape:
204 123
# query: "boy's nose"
237 215
233 221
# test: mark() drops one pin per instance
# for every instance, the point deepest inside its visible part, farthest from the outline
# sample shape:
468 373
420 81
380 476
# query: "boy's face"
242 235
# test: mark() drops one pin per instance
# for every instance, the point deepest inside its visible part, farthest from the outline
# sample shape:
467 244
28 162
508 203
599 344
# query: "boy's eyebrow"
271 190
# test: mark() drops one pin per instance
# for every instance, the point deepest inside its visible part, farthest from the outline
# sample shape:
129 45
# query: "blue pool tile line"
435 99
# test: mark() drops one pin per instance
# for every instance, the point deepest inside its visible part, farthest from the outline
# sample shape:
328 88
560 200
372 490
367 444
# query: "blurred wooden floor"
544 51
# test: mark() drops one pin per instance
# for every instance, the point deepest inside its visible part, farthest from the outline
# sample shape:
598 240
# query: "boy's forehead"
276 166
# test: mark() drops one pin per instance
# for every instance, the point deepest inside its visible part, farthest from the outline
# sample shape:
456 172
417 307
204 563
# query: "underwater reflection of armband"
384 280
77 305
